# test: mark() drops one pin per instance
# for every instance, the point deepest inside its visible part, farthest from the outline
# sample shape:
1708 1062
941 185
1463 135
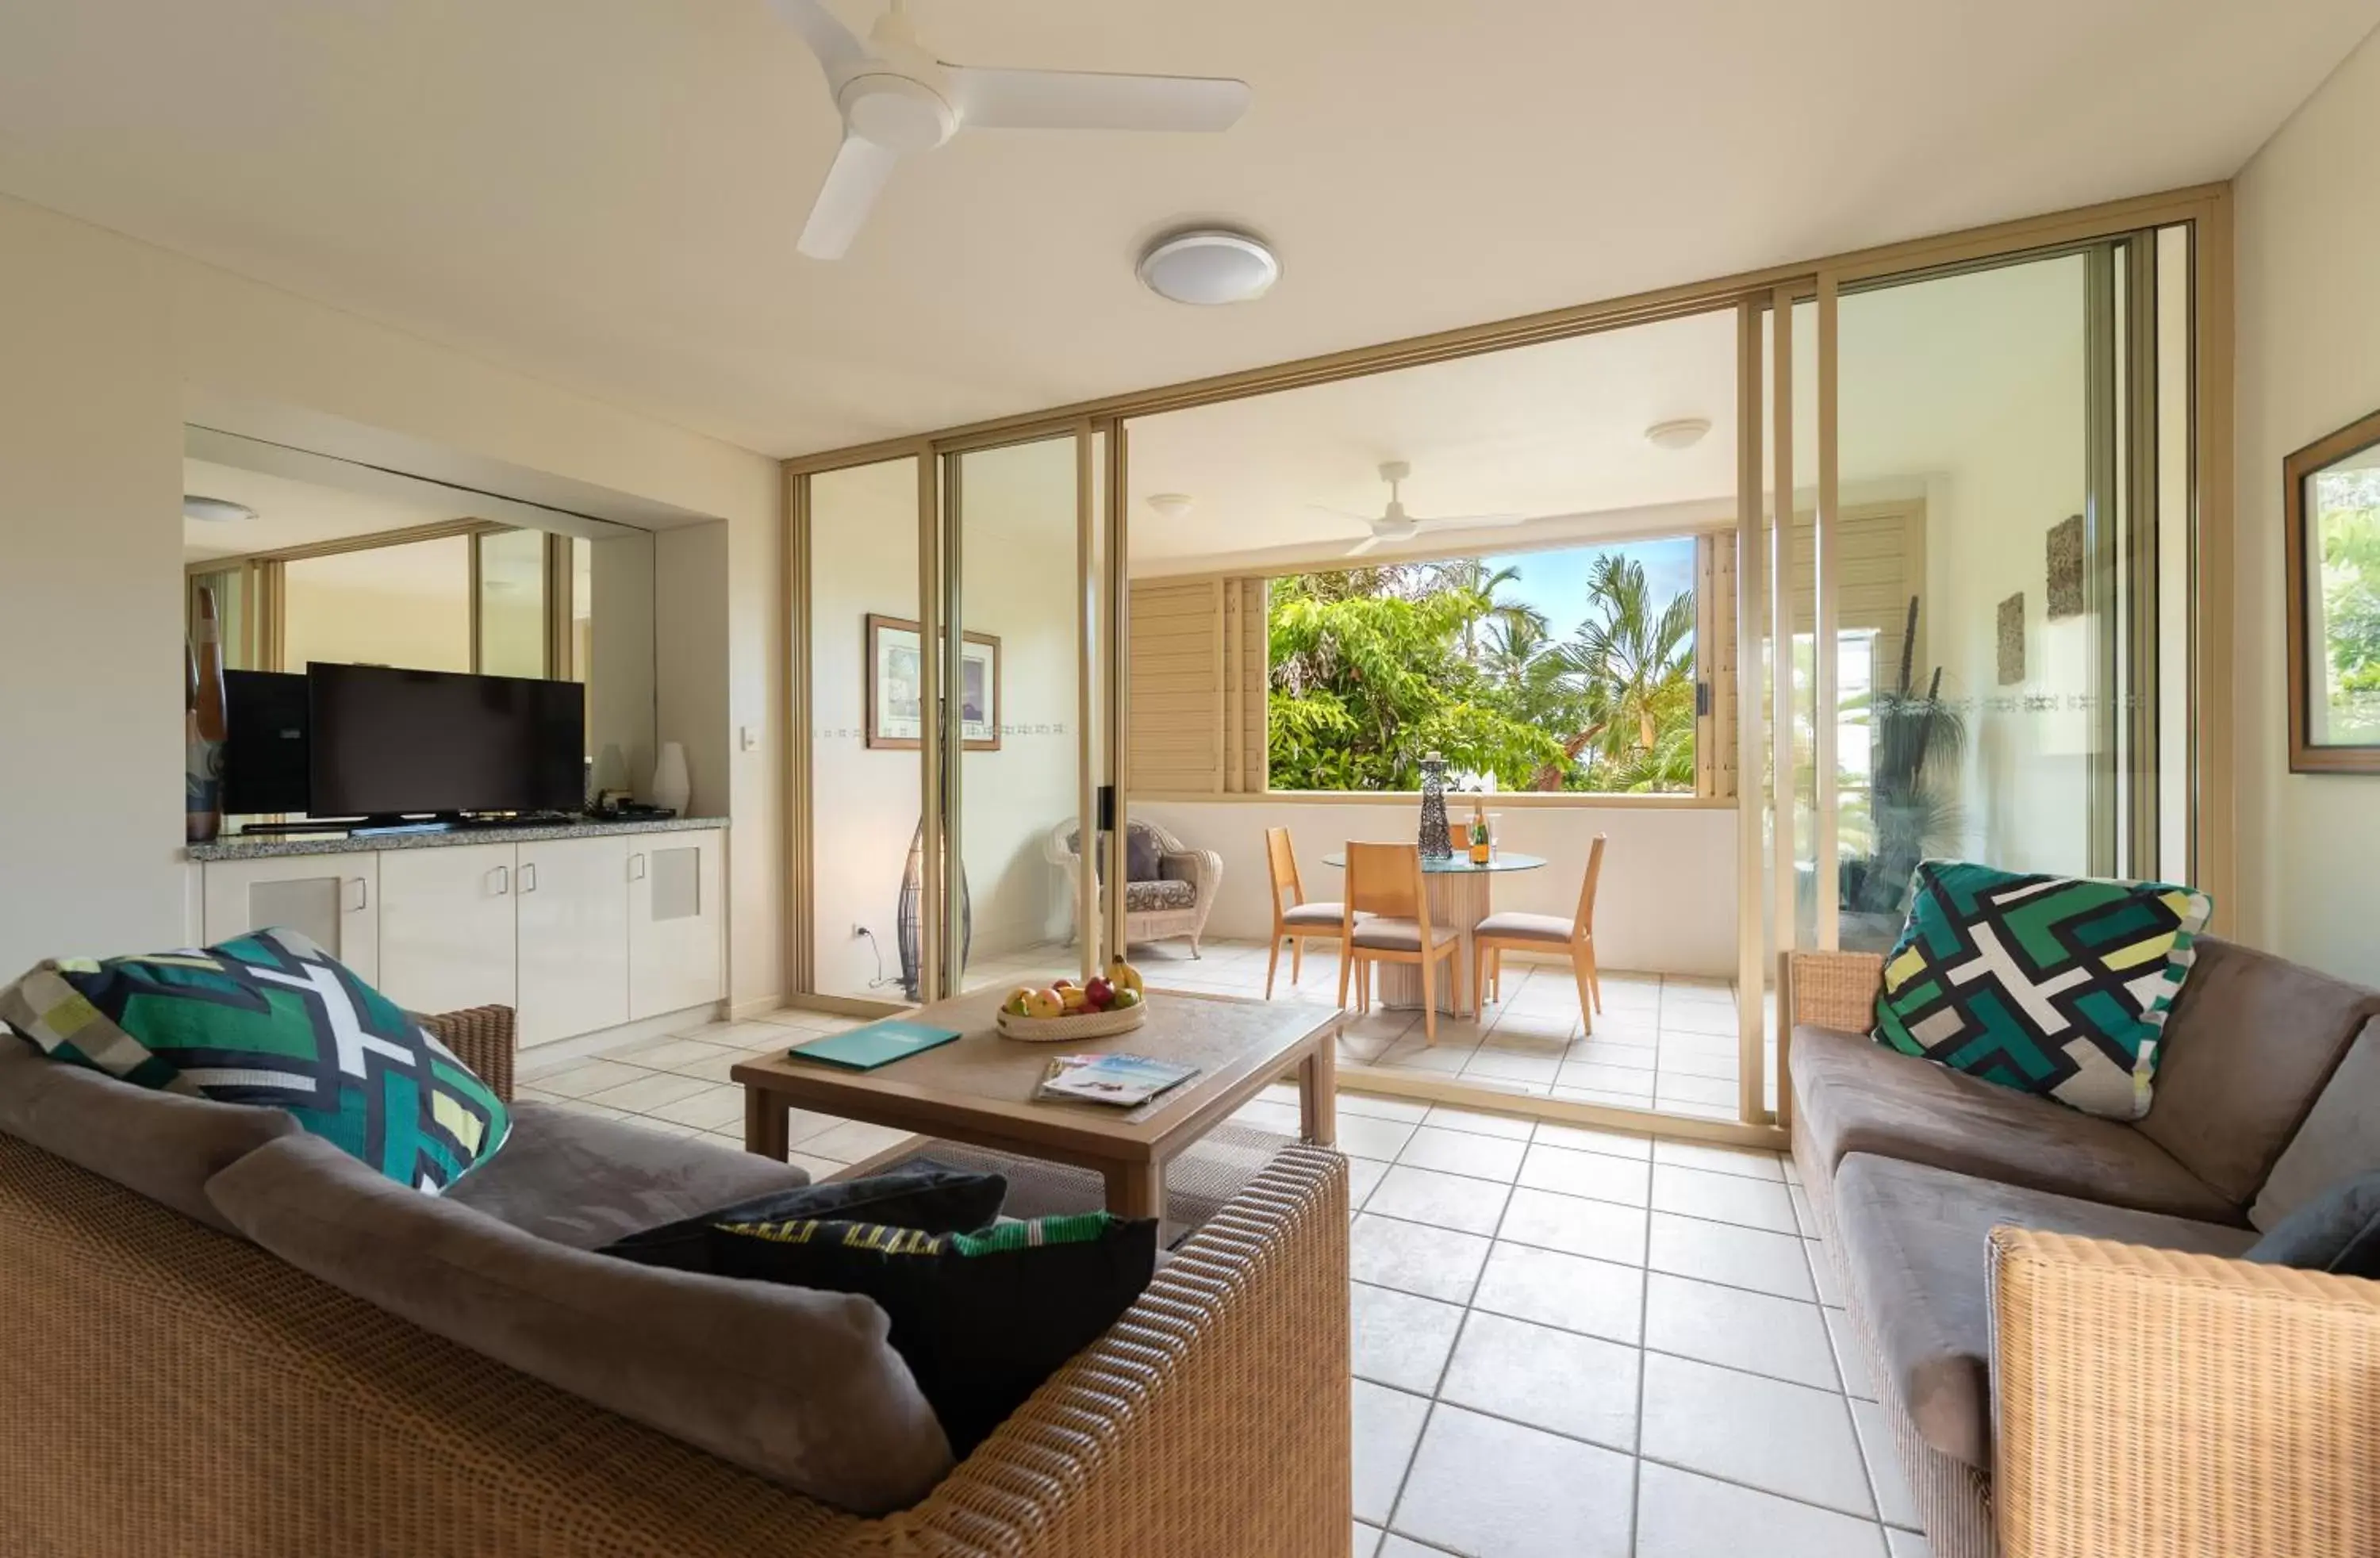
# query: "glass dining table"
1457 887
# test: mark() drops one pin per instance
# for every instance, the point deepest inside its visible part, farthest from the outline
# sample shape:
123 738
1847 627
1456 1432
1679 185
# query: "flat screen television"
386 742
264 742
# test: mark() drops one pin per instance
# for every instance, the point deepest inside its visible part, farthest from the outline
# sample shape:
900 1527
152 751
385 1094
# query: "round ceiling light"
1169 506
1210 266
1683 432
214 511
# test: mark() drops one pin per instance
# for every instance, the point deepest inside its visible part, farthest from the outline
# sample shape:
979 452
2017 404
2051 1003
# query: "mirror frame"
2306 755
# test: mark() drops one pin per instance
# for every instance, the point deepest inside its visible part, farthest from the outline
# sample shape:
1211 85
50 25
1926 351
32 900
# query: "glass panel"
2342 594
409 606
2177 536
1986 728
865 721
512 603
1016 782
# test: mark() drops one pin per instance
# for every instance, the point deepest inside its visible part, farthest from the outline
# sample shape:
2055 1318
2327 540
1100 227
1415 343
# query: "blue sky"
1555 582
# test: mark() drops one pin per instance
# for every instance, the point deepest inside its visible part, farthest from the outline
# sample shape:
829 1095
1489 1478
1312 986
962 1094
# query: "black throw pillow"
921 1194
981 1319
2338 1232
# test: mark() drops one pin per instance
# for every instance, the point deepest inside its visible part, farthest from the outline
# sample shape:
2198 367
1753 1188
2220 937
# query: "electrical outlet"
859 933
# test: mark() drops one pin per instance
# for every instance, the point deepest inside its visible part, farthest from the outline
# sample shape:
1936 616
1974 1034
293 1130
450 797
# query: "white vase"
671 787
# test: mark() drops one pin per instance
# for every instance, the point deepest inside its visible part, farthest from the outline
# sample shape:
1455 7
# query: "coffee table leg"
1136 1189
1317 1092
767 1119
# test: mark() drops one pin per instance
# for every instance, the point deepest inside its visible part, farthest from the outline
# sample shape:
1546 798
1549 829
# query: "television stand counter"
581 926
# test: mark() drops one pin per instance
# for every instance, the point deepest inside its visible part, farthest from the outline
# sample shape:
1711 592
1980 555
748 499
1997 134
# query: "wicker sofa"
2074 1358
174 1388
1174 902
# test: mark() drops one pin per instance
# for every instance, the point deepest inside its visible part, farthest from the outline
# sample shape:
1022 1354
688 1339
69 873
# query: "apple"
1044 1004
1020 1001
1128 998
1061 984
1101 994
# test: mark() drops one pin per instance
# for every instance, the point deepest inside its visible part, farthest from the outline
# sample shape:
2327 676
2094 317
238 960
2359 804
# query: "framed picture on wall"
2331 523
894 659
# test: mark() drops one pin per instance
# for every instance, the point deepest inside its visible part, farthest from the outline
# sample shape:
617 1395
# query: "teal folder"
879 1044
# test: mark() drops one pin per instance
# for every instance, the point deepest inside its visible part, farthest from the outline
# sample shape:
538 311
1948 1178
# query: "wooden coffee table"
979 1089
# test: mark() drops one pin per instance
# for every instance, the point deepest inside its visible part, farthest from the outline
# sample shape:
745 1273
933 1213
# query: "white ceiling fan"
897 100
1396 524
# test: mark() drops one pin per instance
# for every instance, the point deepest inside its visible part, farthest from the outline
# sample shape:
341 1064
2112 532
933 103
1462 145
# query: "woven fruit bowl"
1074 1027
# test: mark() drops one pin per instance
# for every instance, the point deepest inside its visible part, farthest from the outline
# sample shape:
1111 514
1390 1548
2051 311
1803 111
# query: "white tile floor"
1661 1042
1566 1341
1596 1345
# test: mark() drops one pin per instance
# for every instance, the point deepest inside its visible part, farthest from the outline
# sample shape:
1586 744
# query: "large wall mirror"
314 559
2332 508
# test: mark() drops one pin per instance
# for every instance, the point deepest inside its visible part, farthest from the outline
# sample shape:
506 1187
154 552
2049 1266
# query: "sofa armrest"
2149 1401
1835 990
482 1037
1213 1417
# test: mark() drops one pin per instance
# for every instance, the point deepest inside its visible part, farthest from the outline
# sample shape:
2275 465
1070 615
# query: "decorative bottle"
1435 845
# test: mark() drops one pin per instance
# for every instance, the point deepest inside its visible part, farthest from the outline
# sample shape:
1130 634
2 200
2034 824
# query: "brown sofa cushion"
1856 1096
166 1146
2249 1044
1913 1246
2340 1140
584 1182
800 1386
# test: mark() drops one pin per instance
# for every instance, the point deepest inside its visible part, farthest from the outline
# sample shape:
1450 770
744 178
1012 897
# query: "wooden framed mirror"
2331 514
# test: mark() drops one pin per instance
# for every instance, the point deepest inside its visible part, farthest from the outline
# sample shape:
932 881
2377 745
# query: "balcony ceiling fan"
897 100
1396 524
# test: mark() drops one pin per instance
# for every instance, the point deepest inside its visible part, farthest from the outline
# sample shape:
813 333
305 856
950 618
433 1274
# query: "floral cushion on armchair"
1151 897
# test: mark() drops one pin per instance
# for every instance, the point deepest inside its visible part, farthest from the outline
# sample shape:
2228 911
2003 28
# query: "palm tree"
1640 662
1472 576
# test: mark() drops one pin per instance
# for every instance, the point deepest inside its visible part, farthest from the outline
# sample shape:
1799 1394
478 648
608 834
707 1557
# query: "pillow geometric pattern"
2055 985
270 1019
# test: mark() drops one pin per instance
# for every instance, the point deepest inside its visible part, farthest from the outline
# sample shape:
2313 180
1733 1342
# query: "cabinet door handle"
363 897
635 868
503 875
528 877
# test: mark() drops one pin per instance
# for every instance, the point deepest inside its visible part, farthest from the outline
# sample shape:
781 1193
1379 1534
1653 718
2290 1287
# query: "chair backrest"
1385 878
1586 888
1282 860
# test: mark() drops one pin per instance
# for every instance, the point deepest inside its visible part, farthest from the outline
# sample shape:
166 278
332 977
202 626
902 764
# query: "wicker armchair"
172 1389
1177 904
2144 1401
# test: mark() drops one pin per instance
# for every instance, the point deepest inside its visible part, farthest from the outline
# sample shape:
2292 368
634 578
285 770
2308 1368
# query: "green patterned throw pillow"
270 1019
2055 985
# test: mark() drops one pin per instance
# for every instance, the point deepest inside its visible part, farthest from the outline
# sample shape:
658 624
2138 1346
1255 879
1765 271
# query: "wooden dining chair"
1294 921
1516 932
1388 921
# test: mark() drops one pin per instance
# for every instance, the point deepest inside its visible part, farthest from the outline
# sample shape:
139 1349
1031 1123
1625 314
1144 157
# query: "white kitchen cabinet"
333 899
447 927
677 922
570 908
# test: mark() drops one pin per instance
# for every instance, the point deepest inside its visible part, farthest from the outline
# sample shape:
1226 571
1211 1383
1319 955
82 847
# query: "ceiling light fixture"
214 511
1210 266
1683 432
1169 506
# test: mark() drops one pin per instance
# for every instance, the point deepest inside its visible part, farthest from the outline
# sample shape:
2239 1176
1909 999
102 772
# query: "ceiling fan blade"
860 171
1086 99
1365 545
837 47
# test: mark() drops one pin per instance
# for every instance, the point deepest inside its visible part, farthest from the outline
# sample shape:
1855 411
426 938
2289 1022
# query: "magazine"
1125 1081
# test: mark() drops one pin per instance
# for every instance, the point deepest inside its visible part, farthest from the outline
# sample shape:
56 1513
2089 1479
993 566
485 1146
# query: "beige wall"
2309 357
407 606
110 345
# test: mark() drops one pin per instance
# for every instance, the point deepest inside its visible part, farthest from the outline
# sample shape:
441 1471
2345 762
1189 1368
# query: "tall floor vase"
911 919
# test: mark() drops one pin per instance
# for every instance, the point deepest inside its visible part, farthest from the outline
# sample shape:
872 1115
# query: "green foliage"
1374 667
2350 579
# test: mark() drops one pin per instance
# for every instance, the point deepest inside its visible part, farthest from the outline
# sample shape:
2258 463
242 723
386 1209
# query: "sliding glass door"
1978 614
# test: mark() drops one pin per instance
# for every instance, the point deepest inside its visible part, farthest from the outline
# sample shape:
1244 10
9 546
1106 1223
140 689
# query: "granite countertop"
243 847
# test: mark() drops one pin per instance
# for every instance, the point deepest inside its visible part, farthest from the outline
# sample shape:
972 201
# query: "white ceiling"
606 192
291 513
1556 431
